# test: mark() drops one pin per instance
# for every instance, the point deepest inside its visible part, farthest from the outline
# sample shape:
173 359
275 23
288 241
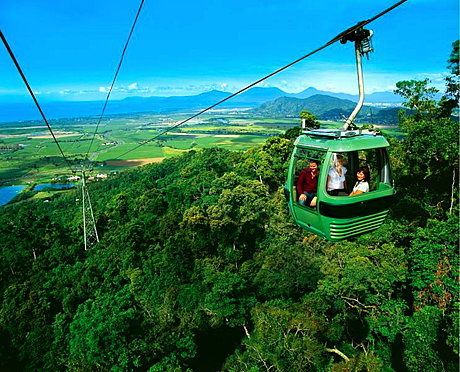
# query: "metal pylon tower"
89 225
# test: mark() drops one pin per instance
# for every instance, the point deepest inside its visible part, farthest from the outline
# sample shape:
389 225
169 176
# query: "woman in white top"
362 185
336 181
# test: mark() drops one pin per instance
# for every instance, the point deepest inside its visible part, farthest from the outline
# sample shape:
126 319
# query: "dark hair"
366 172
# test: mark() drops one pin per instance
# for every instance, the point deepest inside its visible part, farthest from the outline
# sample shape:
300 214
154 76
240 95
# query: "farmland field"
29 154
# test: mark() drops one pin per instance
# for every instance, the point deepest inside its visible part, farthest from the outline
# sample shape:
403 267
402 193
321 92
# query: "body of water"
9 192
54 186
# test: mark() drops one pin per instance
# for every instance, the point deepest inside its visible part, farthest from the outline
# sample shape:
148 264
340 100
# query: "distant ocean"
12 112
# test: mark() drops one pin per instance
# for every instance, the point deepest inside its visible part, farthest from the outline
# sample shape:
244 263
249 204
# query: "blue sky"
69 50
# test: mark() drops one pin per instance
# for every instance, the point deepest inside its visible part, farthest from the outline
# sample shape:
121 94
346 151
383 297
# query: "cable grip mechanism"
362 39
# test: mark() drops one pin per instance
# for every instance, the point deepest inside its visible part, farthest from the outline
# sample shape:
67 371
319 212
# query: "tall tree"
311 121
429 152
452 96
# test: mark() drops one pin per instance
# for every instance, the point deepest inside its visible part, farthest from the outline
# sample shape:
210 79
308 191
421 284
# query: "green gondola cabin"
342 216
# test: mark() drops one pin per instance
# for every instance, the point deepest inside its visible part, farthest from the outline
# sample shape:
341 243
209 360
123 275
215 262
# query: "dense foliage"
200 268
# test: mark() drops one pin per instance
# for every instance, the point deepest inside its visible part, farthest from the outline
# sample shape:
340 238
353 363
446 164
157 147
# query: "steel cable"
34 98
330 42
115 77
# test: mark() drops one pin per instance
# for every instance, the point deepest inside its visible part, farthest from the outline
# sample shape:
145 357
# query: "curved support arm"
359 70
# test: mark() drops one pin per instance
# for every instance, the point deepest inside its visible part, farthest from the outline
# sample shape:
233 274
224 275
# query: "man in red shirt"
307 184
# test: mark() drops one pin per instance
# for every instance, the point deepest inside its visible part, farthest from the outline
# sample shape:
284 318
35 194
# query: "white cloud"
434 77
189 89
104 89
132 86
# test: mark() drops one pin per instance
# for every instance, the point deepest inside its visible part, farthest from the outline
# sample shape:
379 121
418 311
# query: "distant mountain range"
388 98
253 97
326 108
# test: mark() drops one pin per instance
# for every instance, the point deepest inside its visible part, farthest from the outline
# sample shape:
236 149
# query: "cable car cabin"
337 215
352 192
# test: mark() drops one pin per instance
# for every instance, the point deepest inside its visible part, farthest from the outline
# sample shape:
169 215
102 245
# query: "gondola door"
306 214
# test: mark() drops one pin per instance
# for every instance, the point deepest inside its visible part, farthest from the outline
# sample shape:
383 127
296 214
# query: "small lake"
9 192
54 186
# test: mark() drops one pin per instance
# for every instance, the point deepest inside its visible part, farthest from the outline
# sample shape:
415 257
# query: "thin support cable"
115 77
34 98
330 42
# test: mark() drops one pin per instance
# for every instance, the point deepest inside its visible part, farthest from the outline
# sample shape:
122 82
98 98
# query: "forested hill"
199 268
325 108
317 104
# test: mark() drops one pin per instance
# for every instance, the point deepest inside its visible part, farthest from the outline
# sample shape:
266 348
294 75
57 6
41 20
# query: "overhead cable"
115 77
34 98
330 42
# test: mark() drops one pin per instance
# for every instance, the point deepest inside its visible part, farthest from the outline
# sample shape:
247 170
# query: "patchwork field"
28 153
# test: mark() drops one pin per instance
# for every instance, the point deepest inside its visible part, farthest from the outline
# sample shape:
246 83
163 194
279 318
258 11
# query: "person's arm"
361 189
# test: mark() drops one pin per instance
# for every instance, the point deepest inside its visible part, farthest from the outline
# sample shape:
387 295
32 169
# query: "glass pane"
369 158
344 167
337 175
308 165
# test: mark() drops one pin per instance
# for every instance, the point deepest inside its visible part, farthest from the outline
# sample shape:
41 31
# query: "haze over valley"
26 110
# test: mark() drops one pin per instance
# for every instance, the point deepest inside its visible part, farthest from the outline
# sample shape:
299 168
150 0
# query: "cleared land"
28 154
134 162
